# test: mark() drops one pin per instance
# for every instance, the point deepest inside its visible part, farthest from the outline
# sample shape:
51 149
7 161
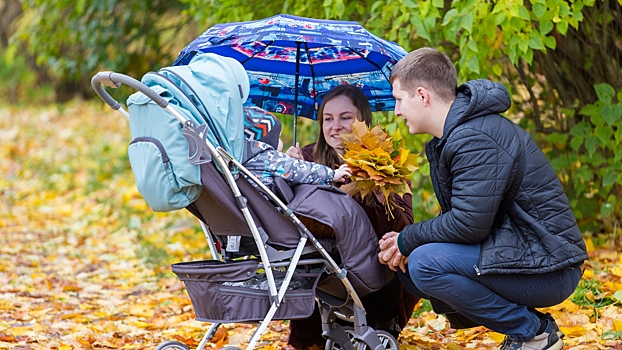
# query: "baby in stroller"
262 155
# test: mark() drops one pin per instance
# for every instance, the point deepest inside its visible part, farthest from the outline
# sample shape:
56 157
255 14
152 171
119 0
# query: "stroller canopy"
213 89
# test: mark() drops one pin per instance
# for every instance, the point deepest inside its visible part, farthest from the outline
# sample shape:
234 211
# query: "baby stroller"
266 264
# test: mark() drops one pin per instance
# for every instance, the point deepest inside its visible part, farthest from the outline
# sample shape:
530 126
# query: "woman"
389 308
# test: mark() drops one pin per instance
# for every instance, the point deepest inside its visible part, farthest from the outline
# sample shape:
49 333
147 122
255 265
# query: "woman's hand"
295 152
379 195
342 173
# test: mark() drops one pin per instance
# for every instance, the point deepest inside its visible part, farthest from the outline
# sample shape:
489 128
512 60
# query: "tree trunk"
10 10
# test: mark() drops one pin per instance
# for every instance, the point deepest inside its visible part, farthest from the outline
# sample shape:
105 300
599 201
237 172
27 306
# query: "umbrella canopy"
292 62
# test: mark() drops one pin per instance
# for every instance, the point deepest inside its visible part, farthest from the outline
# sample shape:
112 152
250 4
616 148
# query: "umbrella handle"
294 141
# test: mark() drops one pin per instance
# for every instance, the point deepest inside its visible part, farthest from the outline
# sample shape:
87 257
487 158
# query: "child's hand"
294 152
342 173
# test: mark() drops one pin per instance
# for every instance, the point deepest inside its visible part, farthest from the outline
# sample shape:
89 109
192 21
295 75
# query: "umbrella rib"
258 52
371 62
312 79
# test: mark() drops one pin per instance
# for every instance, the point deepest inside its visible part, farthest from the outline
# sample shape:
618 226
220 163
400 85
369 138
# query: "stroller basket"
234 292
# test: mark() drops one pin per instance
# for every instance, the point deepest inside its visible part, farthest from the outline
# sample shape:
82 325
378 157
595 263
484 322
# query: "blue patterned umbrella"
292 61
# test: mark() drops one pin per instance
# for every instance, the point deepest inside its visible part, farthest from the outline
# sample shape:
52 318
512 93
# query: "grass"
423 306
588 295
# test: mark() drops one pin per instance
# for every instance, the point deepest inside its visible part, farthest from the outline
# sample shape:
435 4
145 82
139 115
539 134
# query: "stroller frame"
361 336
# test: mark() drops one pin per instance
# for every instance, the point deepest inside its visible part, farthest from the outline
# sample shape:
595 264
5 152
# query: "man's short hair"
429 68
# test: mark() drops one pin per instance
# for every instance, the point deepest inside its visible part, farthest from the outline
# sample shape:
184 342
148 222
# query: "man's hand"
389 252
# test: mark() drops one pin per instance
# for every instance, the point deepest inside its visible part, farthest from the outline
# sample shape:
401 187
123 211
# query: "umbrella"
292 62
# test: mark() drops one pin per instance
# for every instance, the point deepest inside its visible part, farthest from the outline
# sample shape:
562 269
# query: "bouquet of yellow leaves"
378 162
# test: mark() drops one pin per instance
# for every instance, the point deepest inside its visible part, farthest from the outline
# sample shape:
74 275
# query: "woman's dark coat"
472 166
380 305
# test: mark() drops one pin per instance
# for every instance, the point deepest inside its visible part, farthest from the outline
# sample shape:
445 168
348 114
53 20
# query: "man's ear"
423 94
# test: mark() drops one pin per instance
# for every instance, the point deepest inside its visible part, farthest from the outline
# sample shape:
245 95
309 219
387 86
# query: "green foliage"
612 335
19 83
126 36
208 13
588 158
306 130
484 34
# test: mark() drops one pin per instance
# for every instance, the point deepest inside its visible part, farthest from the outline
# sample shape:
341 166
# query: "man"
506 241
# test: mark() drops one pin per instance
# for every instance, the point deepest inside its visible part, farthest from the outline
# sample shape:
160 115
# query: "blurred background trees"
561 60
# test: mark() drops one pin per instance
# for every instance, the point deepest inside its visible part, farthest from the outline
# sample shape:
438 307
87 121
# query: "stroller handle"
114 80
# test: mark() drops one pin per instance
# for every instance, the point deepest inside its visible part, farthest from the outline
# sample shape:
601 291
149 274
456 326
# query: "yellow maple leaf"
497 337
616 271
573 331
351 138
356 147
588 274
370 141
270 347
379 162
65 346
141 324
589 244
371 171
386 145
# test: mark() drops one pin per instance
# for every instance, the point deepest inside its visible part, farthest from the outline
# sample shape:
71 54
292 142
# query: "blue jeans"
499 302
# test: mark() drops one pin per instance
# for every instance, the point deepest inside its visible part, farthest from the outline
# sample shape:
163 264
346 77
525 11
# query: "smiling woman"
338 115
340 107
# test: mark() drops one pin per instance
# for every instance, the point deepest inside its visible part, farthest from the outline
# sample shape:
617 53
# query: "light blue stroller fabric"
210 90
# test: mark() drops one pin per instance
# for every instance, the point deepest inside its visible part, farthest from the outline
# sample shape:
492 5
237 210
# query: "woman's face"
339 113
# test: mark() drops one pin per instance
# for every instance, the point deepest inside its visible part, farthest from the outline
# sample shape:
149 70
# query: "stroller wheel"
172 345
332 345
387 339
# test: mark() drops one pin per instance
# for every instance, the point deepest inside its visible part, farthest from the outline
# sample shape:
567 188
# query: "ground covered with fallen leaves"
85 264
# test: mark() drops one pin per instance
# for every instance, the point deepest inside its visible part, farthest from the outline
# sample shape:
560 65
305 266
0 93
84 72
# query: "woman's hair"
427 67
323 153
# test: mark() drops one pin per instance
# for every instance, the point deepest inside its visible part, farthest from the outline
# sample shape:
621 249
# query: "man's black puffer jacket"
472 165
